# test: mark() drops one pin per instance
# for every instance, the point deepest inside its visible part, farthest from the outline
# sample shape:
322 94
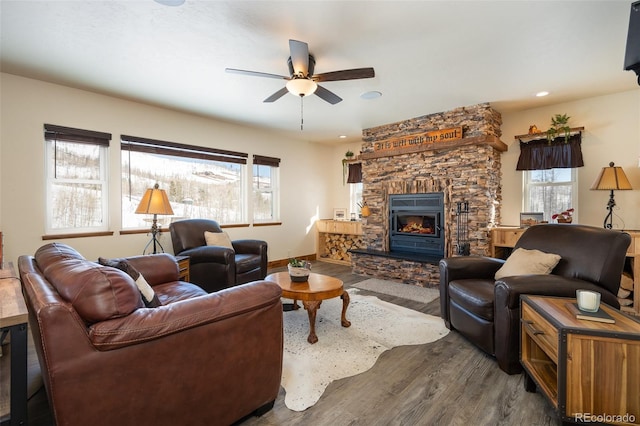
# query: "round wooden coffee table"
312 292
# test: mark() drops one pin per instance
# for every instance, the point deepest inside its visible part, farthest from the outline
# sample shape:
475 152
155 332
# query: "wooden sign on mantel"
410 141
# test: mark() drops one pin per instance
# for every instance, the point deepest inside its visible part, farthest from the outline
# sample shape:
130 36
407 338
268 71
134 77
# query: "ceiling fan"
301 80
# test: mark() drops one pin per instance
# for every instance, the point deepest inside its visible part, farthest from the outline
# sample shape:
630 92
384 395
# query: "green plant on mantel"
559 123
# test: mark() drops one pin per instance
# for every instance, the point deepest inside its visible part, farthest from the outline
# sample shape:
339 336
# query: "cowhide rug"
376 326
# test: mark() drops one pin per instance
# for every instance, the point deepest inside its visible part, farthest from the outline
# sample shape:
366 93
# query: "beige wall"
612 133
311 174
27 104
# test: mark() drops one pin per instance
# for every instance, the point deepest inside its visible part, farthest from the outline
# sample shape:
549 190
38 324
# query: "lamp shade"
611 178
155 201
301 86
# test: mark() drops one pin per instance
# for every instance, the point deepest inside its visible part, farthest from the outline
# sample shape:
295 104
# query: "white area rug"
406 291
376 326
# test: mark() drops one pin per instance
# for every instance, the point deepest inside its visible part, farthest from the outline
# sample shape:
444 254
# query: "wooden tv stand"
589 371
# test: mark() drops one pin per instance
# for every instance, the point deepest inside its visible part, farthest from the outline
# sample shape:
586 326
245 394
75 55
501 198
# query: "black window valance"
261 160
70 134
154 146
355 173
540 154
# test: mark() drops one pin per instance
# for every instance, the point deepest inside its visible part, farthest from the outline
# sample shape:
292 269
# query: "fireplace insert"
415 223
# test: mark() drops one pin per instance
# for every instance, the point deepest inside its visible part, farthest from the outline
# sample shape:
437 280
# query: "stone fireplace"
466 169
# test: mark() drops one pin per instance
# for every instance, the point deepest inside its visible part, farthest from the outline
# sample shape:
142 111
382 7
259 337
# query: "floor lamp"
610 179
155 202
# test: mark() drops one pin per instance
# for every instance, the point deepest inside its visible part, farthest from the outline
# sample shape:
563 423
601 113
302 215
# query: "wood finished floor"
448 382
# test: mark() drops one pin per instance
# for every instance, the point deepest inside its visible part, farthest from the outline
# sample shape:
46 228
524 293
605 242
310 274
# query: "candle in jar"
588 300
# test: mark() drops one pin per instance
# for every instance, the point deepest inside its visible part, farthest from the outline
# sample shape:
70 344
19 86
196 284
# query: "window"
266 204
76 188
355 198
550 191
200 182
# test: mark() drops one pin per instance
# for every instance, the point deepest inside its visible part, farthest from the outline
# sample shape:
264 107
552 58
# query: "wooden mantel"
490 140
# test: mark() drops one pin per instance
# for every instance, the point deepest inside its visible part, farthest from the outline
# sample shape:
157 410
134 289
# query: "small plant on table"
299 270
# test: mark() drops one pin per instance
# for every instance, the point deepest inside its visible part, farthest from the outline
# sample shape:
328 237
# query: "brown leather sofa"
198 359
214 267
487 311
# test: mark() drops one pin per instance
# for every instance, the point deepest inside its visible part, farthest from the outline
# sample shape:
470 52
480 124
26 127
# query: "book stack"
598 316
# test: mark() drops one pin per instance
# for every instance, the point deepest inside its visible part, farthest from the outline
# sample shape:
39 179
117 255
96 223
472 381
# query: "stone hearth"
467 169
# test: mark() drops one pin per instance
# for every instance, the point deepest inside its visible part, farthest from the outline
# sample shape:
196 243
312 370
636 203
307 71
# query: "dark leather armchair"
215 267
487 311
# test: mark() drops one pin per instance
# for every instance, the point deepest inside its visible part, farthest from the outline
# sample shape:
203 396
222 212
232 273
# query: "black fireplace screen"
415 223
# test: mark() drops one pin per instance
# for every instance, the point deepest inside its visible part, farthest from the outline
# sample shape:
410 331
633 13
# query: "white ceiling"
429 56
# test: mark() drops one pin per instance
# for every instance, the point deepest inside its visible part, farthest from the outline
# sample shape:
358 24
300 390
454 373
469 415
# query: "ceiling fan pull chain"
301 112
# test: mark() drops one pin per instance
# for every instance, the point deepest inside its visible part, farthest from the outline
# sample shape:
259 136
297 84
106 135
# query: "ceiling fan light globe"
301 86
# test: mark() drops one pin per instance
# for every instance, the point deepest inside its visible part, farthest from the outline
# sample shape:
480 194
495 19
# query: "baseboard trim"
284 262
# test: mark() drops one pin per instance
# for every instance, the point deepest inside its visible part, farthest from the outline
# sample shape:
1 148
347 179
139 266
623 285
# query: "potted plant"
348 157
559 123
299 270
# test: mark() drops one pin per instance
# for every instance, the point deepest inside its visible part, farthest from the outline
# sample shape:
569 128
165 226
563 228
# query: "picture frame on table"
528 219
340 214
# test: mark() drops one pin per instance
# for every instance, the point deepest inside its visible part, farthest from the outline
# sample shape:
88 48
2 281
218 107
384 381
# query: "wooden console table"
588 370
13 322
346 235
503 239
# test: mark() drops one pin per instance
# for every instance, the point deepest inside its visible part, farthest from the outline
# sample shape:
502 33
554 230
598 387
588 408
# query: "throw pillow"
528 262
149 296
218 239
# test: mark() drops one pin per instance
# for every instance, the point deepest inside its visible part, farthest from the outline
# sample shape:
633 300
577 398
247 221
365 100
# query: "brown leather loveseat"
106 359
487 310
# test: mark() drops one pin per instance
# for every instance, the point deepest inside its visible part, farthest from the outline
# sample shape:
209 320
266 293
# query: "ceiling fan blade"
299 57
353 74
256 73
327 95
280 93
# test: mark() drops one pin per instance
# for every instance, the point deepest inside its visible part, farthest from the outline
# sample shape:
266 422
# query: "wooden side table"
13 322
589 371
184 268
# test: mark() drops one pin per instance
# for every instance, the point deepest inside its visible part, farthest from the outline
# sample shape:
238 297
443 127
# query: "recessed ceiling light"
371 95
342 136
541 94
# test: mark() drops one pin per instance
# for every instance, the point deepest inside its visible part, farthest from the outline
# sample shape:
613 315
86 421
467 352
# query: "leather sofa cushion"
176 291
247 262
474 295
96 292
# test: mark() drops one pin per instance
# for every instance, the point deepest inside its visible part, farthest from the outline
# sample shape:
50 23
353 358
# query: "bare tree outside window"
76 187
550 191
265 185
196 188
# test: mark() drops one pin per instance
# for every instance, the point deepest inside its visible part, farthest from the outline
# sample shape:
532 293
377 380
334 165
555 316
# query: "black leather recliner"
487 311
214 267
